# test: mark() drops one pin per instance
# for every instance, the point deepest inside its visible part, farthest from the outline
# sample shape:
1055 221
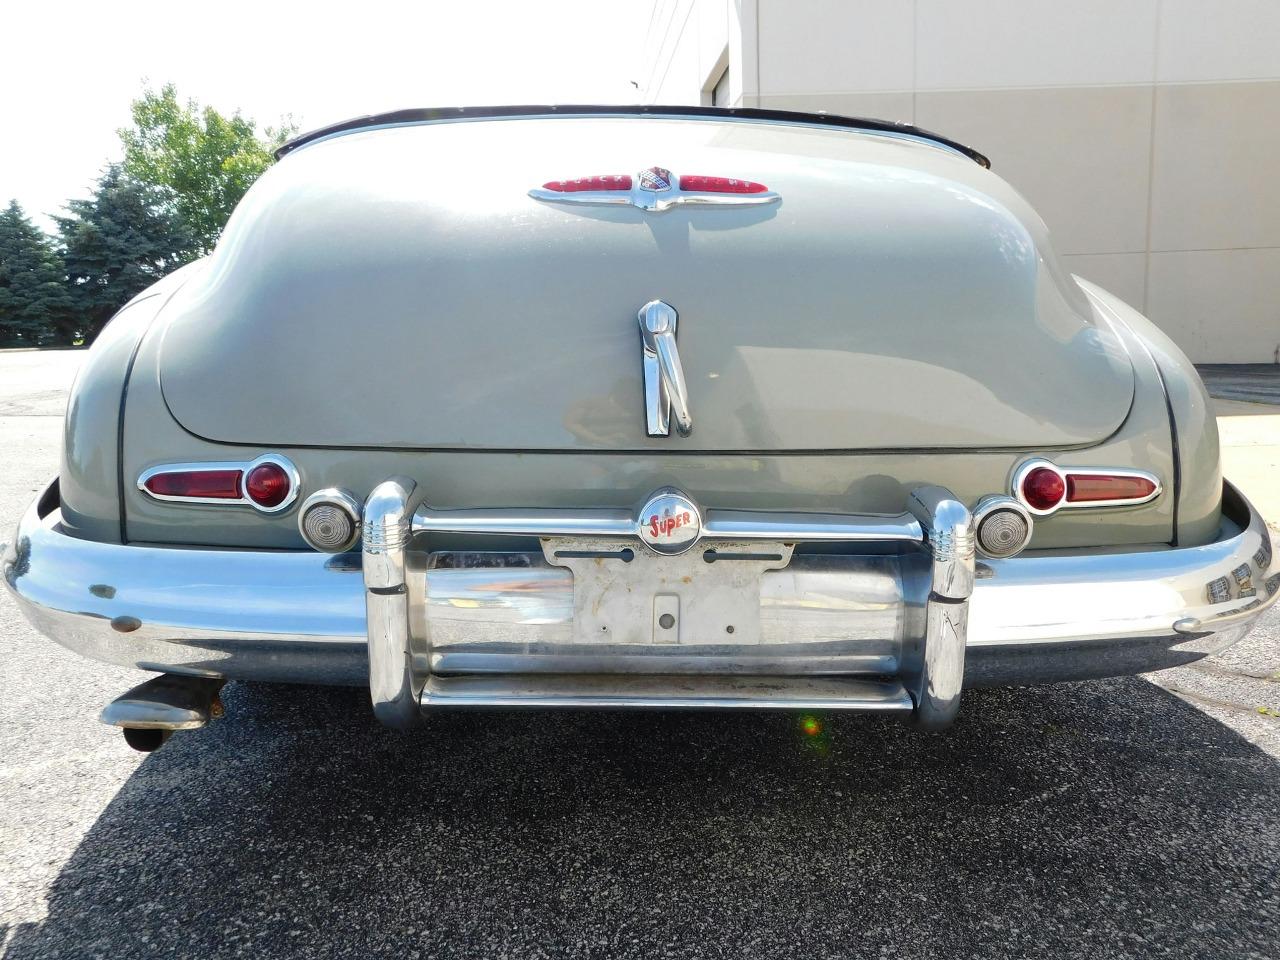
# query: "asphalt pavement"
1128 817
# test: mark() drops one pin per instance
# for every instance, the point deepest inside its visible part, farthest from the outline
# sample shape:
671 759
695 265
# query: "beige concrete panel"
831 46
1222 40
877 106
1023 43
1219 306
1079 155
1215 173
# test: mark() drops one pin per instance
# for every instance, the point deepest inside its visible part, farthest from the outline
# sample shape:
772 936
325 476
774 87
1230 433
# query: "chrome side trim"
1021 471
295 481
393 684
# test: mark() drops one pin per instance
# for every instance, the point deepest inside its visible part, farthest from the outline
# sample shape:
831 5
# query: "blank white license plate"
623 593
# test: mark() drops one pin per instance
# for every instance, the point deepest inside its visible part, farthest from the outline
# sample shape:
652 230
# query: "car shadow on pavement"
1100 819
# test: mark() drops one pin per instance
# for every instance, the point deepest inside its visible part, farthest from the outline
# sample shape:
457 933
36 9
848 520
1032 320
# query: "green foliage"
185 169
35 305
117 243
202 161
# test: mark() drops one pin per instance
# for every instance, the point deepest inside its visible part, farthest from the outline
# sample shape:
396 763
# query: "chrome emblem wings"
655 189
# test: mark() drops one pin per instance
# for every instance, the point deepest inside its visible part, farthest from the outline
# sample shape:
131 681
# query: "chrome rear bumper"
499 631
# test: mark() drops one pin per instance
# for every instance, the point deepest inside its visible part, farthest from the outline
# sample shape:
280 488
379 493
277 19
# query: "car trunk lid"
400 288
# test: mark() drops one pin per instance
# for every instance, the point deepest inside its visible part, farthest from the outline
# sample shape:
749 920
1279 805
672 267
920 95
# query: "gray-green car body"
420 298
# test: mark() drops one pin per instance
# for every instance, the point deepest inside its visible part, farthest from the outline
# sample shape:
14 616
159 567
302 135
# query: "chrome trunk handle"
664 385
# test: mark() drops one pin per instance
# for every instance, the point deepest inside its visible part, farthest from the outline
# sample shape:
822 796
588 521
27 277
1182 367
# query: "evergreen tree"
117 243
34 303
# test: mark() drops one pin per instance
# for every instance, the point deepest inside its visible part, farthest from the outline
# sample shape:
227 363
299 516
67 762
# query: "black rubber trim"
124 399
427 114
1177 449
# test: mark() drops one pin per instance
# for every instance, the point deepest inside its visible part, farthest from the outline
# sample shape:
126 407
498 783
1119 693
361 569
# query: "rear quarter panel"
1199 508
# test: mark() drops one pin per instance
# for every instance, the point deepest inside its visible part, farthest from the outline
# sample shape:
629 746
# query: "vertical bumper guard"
392 684
948 527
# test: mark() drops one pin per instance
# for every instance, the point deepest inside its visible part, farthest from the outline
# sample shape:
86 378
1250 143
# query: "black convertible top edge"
424 114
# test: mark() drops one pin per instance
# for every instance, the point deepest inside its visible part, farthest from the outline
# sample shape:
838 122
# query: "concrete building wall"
1146 132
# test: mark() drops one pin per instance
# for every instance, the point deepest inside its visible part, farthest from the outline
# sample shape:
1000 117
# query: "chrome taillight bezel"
243 467
1066 473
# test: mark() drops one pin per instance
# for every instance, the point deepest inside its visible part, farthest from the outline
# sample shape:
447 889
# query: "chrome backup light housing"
994 510
343 502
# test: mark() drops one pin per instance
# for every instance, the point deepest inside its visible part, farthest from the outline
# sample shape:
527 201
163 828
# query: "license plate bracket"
624 593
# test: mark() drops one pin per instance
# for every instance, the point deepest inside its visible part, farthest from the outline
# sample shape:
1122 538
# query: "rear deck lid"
401 288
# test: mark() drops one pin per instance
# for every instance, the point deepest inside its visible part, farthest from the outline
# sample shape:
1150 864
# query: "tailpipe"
149 713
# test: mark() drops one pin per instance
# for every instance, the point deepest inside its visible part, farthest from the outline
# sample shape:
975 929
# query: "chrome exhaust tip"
150 712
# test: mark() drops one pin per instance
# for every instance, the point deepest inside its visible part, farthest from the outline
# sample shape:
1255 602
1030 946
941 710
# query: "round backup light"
1002 526
1043 489
268 485
330 521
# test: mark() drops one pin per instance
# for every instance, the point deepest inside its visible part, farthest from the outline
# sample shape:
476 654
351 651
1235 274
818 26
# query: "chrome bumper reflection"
255 615
291 616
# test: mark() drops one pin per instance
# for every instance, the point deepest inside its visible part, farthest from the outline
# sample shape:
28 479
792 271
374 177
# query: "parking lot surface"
1128 817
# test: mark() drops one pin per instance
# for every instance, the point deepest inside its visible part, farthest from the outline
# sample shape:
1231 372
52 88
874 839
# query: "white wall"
1146 132
688 42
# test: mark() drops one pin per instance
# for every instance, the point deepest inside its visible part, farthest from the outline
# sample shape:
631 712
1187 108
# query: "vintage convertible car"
615 407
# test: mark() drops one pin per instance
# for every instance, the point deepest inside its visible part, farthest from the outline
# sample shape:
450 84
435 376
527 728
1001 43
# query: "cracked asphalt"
1129 817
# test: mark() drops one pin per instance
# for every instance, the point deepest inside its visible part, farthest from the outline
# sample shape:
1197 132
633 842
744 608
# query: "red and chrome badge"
655 189
669 523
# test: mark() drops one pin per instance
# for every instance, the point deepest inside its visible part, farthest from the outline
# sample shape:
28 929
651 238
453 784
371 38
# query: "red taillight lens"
581 184
1043 489
720 185
1094 487
196 484
267 484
